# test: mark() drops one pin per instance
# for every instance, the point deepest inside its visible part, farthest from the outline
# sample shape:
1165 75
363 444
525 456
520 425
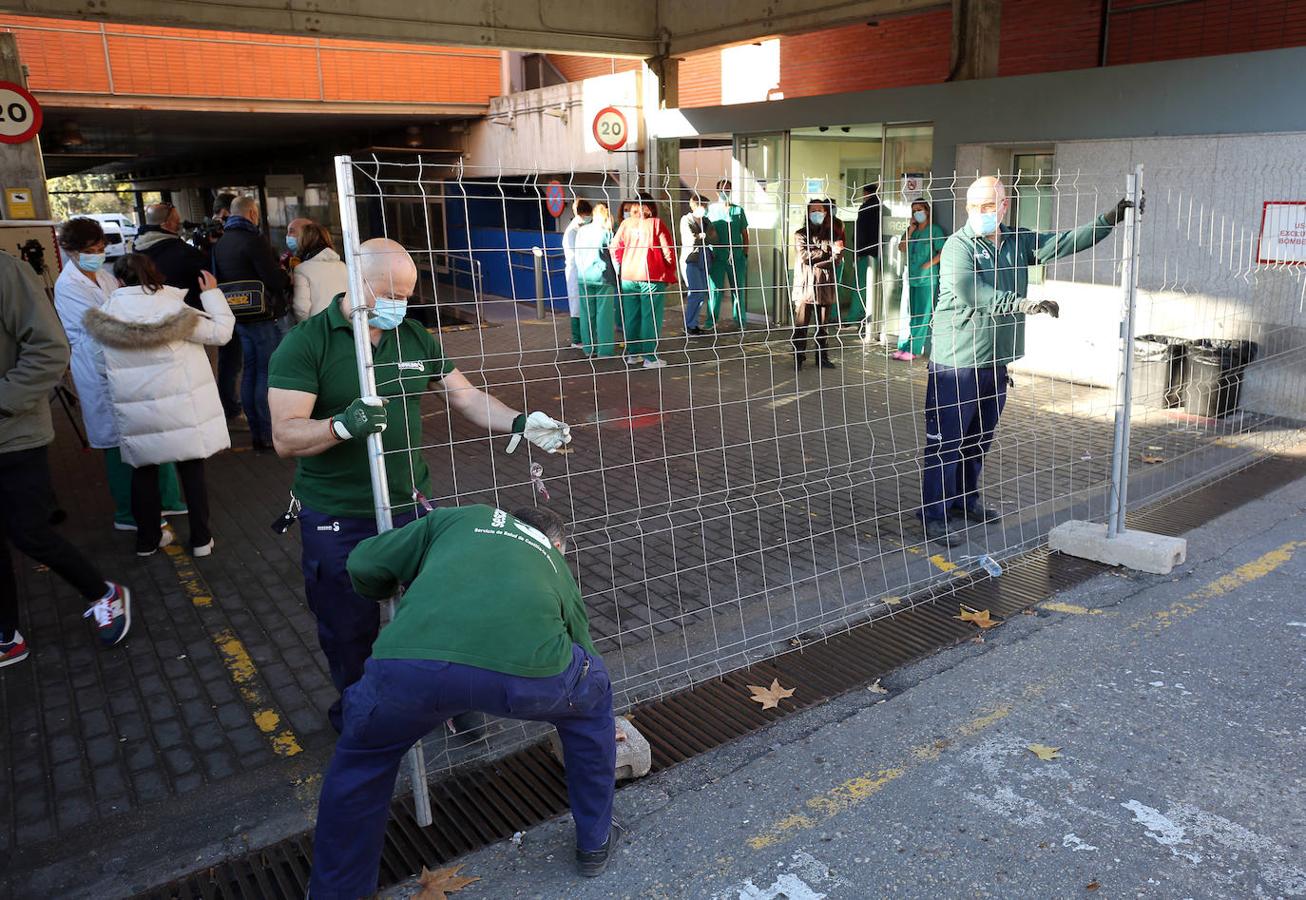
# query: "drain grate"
488 803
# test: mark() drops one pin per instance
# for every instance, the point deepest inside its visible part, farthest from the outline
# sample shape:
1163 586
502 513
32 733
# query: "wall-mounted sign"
19 203
20 114
815 187
284 185
610 128
555 198
1283 232
913 186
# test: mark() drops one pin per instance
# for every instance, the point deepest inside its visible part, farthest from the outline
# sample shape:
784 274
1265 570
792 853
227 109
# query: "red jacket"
645 251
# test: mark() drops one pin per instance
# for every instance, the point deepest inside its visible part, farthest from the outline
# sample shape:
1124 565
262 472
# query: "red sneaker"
13 650
112 614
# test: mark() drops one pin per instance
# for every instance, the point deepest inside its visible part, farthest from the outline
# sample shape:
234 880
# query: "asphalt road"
1176 703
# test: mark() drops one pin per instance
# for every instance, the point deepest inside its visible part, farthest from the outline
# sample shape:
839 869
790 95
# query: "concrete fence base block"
1141 550
634 756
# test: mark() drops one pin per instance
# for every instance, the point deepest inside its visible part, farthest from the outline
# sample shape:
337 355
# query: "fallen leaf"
1092 885
770 697
1148 458
1044 752
892 601
439 884
878 688
978 616
1029 612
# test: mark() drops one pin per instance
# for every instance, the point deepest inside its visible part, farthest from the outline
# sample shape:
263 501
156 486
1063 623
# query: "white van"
119 232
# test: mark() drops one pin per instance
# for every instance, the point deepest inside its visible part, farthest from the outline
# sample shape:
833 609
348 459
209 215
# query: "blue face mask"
90 262
983 223
292 243
388 313
817 218
724 195
585 220
919 216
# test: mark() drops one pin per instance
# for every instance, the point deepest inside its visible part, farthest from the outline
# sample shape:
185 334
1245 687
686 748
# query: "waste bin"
1213 375
1157 370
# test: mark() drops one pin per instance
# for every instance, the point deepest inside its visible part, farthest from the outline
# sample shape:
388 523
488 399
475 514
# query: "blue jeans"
400 700
962 407
257 341
347 624
696 281
228 371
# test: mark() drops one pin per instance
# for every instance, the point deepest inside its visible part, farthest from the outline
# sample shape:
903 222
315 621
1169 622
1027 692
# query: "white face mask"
699 212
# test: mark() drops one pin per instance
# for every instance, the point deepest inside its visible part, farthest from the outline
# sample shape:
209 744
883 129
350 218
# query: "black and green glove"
364 416
1040 307
1117 212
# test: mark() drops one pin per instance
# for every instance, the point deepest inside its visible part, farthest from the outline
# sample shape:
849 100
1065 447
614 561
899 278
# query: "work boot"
591 863
977 514
799 359
823 359
937 530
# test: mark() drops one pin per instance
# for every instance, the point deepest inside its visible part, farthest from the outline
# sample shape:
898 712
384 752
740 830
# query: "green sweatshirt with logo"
486 590
976 319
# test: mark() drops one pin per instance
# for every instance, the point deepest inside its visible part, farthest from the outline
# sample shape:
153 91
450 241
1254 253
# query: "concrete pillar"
976 32
20 164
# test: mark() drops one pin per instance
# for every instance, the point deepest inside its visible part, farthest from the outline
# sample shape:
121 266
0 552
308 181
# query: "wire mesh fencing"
726 503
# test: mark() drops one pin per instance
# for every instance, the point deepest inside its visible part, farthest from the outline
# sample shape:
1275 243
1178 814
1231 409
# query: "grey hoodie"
33 357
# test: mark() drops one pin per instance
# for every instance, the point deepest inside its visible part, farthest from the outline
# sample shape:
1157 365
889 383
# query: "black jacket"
179 262
868 228
244 255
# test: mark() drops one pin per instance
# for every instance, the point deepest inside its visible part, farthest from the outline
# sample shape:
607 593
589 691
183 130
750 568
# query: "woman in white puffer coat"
165 400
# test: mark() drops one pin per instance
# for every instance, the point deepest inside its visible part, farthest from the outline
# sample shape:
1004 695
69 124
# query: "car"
119 233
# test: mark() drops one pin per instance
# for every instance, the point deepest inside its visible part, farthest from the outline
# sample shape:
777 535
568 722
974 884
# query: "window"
1032 192
420 227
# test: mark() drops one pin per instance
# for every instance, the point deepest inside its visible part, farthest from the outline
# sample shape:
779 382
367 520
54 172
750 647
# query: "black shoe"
798 362
694 331
591 863
826 364
937 530
978 514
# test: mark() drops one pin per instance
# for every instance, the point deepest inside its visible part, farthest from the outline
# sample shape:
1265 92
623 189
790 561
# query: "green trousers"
920 301
731 267
119 475
641 313
863 297
598 312
575 329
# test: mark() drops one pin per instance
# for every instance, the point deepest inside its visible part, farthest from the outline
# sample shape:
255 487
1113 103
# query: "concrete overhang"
630 28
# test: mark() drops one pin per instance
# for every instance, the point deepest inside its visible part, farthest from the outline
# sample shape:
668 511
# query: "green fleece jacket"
33 357
486 590
977 321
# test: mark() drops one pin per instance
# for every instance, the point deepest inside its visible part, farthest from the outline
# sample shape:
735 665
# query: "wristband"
336 428
519 423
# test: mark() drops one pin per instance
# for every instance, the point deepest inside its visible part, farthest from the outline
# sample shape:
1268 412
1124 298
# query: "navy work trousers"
398 701
962 407
347 624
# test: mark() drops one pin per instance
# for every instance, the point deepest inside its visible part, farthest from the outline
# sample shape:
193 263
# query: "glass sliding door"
758 174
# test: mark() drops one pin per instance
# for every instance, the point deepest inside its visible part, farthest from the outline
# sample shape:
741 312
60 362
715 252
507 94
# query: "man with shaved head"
179 262
979 329
320 417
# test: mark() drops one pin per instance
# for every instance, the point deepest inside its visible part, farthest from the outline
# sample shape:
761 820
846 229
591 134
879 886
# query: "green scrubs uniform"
729 259
922 286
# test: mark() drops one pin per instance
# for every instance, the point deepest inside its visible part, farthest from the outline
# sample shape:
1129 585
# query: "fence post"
537 256
375 452
1119 496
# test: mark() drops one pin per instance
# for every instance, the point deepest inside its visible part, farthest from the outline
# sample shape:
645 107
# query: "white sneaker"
577 346
124 526
164 540
655 363
163 523
176 512
203 549
632 360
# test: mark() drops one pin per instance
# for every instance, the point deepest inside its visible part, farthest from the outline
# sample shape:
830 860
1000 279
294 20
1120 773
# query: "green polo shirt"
976 322
318 357
484 590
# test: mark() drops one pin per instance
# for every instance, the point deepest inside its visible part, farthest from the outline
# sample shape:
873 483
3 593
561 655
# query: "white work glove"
544 432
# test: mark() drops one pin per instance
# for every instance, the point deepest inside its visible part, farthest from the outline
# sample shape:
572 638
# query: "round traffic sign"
555 199
610 128
20 114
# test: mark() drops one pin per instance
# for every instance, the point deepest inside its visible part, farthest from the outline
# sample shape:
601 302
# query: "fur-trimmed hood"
125 335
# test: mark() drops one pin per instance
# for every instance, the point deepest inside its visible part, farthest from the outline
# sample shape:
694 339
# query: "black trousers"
25 493
147 506
810 317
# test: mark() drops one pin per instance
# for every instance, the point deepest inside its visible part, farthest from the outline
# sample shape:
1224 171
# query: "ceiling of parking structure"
635 28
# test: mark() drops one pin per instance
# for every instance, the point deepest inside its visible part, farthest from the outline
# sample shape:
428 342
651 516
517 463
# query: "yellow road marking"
1240 577
943 564
1073 608
240 666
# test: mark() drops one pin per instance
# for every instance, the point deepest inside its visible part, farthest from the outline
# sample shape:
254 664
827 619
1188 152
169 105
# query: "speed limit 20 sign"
610 128
20 114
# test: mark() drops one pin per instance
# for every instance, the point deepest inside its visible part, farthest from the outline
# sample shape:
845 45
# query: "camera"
33 253
203 235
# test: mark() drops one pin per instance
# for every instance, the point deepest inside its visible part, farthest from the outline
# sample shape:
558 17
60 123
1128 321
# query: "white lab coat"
74 296
569 262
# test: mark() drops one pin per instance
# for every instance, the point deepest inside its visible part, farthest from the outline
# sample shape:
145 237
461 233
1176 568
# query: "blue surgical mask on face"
817 218
983 223
585 220
724 195
388 313
292 243
919 216
90 262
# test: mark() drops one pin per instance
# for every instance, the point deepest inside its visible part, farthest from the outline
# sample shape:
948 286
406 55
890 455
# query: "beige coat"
164 398
317 282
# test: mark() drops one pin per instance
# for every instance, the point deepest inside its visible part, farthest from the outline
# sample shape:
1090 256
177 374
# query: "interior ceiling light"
414 138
